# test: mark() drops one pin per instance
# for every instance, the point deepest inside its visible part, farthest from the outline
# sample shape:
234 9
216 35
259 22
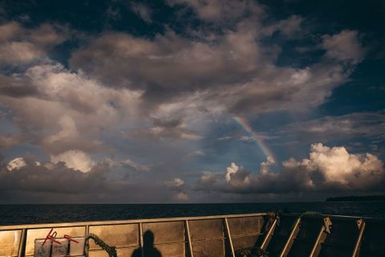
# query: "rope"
111 250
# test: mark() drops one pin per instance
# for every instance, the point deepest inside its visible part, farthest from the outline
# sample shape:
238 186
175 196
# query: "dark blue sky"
187 100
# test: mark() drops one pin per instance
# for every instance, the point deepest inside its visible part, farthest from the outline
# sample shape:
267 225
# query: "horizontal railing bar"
209 239
123 222
247 235
348 217
171 243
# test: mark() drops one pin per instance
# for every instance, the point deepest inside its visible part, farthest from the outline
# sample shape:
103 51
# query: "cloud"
352 127
19 52
135 166
9 30
340 167
16 164
208 179
27 180
158 96
328 169
161 133
175 183
9 140
178 186
235 71
344 46
74 159
236 176
182 196
32 181
19 45
75 108
220 11
142 11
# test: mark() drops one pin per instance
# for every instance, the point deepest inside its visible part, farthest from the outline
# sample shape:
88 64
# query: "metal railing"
221 235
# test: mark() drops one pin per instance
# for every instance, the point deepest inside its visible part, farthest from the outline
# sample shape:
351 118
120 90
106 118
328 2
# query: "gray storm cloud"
117 79
71 179
178 186
235 71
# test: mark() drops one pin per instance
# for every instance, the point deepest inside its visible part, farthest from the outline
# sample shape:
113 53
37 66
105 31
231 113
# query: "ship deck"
258 234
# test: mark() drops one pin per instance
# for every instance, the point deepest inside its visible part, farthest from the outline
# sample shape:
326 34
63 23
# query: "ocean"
34 214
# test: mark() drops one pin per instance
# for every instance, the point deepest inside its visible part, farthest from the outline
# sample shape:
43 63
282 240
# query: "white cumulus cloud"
175 183
339 167
326 169
16 164
74 159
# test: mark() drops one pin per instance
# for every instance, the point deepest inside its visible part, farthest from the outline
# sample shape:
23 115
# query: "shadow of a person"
148 247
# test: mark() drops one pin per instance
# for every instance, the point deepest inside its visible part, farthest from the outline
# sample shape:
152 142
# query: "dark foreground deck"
260 234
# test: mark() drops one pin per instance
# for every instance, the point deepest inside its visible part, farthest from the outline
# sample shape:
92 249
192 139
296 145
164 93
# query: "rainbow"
257 138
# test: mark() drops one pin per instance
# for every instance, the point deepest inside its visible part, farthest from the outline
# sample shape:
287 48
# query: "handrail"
129 221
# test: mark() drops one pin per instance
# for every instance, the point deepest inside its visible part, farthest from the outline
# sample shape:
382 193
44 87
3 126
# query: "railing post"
291 238
228 232
141 238
22 243
86 244
361 226
189 238
269 234
325 230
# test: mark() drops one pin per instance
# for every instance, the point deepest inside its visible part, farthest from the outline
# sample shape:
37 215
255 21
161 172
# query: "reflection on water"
27 214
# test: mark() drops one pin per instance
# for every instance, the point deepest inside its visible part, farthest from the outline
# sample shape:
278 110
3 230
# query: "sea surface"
32 214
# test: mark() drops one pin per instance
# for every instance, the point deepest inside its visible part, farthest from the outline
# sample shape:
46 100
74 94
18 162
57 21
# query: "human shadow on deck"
148 247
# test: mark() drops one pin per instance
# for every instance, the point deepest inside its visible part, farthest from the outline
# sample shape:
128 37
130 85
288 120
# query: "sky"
118 101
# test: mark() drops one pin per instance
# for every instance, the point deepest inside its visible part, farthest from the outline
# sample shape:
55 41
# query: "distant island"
357 198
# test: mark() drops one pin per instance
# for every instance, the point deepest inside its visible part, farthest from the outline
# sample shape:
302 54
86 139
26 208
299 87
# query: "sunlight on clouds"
74 159
326 169
339 166
145 108
16 164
